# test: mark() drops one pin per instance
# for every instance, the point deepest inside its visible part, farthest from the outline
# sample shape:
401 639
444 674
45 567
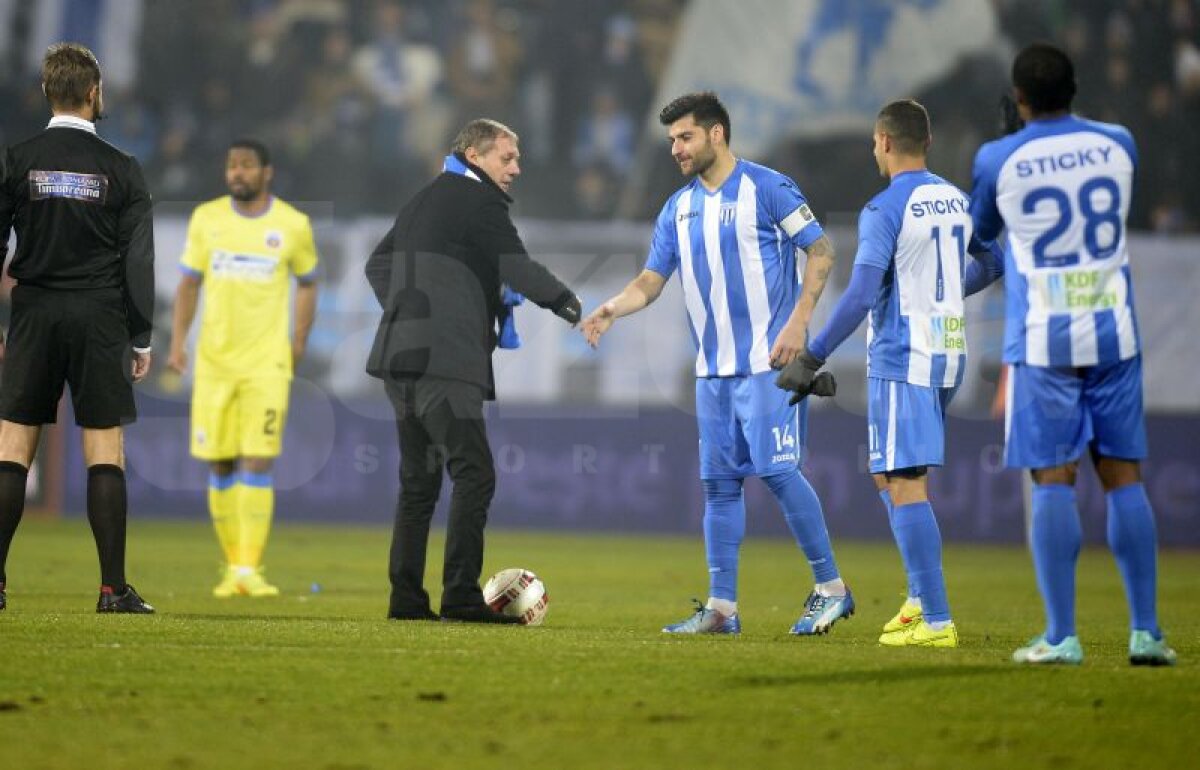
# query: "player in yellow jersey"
243 249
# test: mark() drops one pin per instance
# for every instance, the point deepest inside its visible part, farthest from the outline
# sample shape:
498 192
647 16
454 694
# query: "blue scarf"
506 336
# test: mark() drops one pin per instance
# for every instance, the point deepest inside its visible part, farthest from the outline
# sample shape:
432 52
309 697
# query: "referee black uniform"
82 305
84 267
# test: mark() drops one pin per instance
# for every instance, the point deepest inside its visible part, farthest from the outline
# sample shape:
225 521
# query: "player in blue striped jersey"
733 233
909 276
1062 187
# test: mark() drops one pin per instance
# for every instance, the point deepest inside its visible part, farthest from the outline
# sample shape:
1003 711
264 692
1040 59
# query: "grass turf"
318 679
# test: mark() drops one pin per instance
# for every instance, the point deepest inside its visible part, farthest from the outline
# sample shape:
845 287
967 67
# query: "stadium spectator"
402 76
483 64
595 191
438 274
84 267
243 249
325 126
605 134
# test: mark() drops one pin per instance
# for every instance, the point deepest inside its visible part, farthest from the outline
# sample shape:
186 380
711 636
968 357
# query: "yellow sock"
222 506
255 506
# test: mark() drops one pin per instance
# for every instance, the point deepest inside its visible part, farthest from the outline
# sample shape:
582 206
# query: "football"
519 593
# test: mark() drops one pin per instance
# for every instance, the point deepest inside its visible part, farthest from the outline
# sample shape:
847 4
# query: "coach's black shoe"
476 613
128 602
422 614
3 597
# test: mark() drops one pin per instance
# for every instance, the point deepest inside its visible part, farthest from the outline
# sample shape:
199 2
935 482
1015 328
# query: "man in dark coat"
441 274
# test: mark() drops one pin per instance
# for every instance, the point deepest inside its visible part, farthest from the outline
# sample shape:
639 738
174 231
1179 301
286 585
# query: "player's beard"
702 161
244 193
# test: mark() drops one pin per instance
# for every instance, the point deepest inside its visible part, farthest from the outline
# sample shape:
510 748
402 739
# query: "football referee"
81 309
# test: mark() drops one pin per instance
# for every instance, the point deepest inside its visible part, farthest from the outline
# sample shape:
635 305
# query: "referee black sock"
106 504
12 505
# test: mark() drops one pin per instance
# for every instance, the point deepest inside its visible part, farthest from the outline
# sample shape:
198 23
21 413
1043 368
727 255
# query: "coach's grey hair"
481 134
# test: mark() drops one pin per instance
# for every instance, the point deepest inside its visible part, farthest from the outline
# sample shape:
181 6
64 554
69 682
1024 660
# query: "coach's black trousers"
441 426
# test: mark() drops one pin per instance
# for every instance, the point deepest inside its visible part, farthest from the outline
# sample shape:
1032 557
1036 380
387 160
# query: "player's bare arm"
639 293
791 340
186 297
306 311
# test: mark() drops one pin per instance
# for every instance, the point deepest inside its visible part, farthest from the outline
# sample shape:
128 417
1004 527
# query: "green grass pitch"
319 679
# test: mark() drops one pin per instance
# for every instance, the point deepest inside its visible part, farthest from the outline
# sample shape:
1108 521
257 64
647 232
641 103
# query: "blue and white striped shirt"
735 250
1062 187
919 231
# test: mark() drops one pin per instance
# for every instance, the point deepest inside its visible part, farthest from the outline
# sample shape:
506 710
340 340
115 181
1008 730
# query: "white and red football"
519 593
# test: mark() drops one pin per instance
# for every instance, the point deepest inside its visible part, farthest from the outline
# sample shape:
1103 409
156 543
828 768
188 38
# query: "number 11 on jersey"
959 235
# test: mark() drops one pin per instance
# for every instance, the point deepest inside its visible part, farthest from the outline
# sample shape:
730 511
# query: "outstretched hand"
598 322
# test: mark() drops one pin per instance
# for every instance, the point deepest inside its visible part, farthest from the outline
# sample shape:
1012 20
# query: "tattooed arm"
791 339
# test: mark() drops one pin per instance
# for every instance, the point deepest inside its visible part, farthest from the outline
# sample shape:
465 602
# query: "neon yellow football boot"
229 584
919 634
252 583
908 615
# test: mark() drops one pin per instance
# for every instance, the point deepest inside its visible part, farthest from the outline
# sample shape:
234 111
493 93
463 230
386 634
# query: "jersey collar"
70 121
729 183
910 173
270 205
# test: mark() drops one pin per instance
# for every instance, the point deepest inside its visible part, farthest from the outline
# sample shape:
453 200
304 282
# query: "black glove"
799 374
569 308
800 377
823 385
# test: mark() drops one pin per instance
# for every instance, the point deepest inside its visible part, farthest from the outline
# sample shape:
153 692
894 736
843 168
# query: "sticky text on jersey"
1049 164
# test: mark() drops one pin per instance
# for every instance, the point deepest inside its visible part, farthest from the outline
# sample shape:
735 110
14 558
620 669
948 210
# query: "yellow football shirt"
246 264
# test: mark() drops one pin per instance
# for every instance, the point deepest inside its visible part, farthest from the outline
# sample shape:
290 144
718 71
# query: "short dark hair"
481 133
69 70
1044 75
255 146
907 123
704 107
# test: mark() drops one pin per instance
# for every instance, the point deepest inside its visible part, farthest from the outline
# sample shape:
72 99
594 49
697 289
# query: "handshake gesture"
800 377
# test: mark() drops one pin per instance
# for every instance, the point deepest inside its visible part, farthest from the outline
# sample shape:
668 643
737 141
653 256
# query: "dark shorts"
75 337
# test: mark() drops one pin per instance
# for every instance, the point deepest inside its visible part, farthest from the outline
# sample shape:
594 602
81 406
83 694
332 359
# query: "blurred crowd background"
360 98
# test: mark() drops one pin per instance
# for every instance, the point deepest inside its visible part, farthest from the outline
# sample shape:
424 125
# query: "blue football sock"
886 497
1132 538
1056 536
802 511
724 529
920 543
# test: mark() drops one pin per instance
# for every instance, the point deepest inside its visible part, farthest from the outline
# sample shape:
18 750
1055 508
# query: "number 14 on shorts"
784 438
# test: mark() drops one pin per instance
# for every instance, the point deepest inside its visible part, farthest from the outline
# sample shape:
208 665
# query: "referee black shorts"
77 337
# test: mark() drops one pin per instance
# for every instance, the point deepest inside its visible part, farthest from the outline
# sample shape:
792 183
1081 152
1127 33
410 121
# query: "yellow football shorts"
239 418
